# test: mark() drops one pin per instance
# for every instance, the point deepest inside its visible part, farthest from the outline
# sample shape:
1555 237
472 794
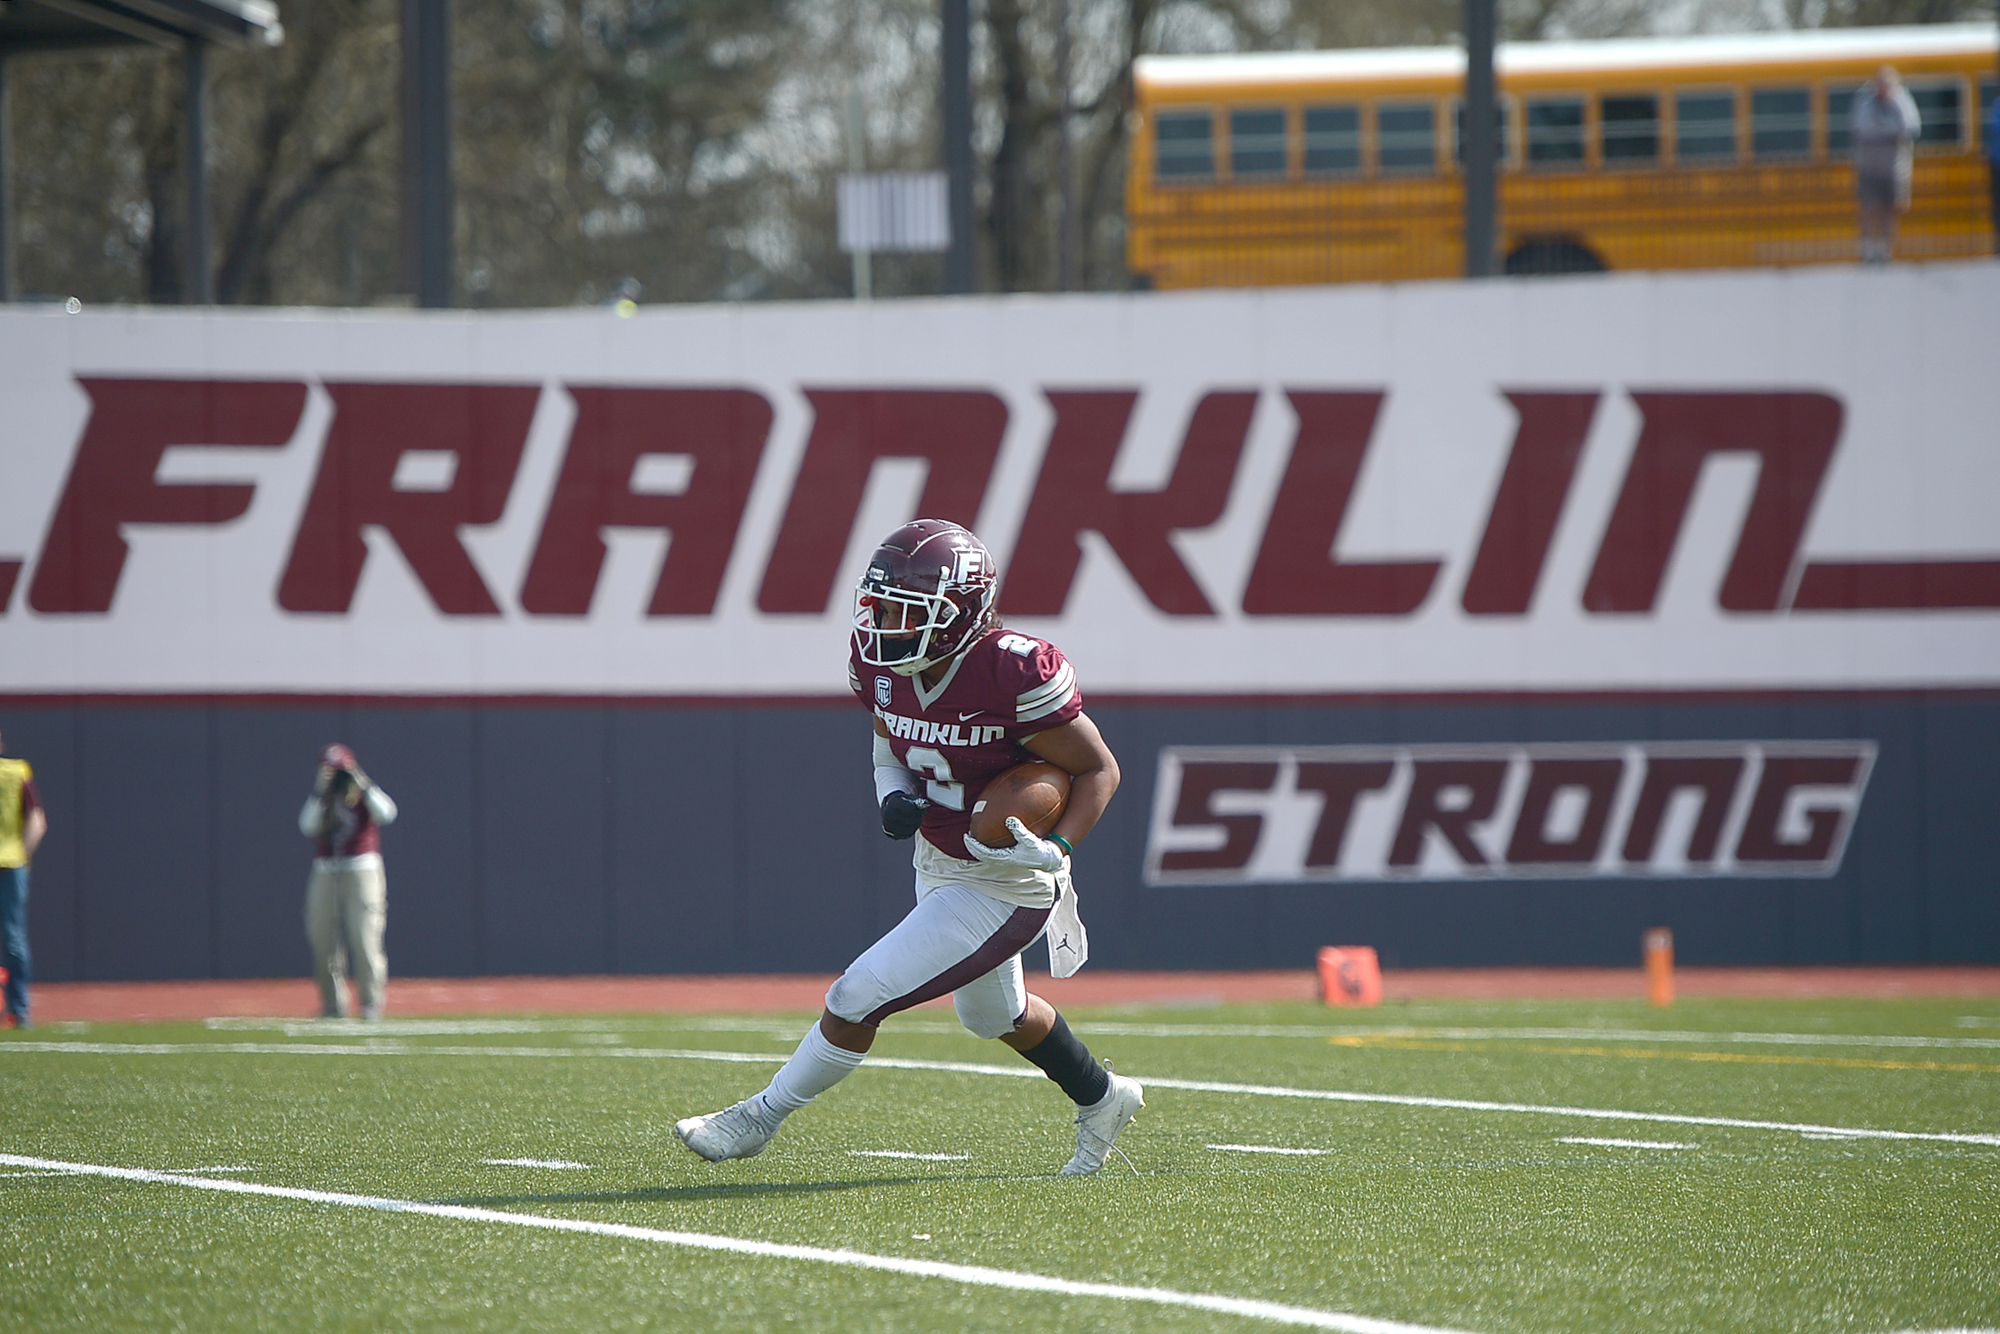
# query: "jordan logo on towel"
1069 945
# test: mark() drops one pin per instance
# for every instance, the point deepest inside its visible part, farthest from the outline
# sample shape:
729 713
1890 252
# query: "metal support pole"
1480 139
857 163
199 288
427 183
956 59
6 198
1065 158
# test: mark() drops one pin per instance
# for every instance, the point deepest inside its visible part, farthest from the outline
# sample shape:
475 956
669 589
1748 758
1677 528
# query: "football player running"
957 700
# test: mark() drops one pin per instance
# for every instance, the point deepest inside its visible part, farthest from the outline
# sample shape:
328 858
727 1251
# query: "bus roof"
1530 58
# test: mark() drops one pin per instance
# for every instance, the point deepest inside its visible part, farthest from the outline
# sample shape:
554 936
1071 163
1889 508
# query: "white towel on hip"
1069 945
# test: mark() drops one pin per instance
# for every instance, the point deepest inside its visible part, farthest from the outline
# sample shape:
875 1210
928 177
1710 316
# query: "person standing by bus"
1885 128
22 825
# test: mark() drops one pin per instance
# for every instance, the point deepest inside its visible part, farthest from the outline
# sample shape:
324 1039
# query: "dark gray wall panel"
541 823
742 838
676 843
146 821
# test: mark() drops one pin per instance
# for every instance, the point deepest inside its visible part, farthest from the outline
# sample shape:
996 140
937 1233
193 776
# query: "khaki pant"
345 913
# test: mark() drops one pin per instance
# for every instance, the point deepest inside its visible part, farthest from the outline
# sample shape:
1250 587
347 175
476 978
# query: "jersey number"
937 769
1020 644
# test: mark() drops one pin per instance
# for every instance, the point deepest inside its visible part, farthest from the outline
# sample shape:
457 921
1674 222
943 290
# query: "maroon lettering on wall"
1597 779
957 431
1529 501
1296 572
1897 585
1762 839
722 430
10 571
1073 495
1714 777
1480 780
1200 781
374 425
1341 784
1793 435
111 480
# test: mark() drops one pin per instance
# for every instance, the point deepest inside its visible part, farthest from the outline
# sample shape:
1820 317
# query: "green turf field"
331 1176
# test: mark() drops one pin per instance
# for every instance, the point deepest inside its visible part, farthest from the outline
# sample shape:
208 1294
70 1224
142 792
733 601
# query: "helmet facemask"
912 612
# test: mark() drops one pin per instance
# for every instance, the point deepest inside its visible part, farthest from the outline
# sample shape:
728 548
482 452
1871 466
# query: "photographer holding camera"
347 896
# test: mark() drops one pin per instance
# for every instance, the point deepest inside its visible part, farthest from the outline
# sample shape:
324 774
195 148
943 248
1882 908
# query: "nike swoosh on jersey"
968 717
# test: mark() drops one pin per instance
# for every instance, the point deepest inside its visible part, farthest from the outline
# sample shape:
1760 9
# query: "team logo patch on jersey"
882 691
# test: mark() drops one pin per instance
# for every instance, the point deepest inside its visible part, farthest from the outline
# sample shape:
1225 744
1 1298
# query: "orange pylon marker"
1350 975
1660 966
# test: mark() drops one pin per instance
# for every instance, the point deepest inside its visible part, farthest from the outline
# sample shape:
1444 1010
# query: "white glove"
1036 854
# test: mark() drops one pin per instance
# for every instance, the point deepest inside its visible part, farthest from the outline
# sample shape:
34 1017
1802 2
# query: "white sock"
814 1068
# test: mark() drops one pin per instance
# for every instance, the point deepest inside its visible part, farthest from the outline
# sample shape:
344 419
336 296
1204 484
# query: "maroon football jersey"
1004 688
347 831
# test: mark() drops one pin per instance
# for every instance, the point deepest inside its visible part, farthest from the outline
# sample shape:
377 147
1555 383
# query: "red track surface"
105 1002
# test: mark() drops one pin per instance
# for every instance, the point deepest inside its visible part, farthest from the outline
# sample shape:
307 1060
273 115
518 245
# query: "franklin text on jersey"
1004 689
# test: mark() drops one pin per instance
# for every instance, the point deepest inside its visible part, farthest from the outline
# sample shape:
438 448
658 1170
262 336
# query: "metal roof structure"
31 26
44 27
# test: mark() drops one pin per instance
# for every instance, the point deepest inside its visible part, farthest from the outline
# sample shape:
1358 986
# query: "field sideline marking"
976 1275
1122 1028
1388 1043
1004 1071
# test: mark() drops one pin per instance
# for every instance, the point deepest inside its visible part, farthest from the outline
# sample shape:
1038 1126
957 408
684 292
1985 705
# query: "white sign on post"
884 212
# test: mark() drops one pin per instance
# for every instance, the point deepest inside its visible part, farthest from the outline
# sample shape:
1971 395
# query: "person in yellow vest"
22 825
347 897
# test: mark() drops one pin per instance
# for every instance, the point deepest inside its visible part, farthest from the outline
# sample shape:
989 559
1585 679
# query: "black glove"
902 813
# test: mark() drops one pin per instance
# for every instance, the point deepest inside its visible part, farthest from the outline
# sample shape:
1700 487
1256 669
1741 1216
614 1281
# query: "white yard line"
792 1027
1544 1035
1267 1148
553 1164
920 1157
976 1275
1625 1143
380 1049
1318 1032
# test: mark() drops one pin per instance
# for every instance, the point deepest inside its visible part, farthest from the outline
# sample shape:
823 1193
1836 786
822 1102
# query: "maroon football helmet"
927 595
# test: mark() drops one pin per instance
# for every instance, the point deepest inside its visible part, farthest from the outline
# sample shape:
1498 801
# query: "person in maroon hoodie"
347 897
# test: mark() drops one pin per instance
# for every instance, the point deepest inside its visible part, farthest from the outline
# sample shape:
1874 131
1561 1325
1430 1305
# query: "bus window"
1257 143
1780 123
1555 131
1938 112
1840 121
1988 88
1405 140
1333 140
1183 146
1503 129
1705 125
1631 128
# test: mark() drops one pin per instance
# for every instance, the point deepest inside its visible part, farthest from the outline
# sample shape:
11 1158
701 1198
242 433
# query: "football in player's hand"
1034 793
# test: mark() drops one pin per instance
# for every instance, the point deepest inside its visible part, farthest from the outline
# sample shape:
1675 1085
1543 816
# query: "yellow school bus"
1697 152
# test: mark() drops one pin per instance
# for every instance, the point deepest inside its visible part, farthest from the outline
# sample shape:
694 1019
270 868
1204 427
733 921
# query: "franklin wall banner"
1483 623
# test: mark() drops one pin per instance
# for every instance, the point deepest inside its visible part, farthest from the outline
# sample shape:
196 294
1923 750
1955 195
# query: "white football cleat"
741 1131
1097 1125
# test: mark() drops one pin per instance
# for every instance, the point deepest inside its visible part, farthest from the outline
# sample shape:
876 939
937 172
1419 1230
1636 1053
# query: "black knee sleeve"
1066 1060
